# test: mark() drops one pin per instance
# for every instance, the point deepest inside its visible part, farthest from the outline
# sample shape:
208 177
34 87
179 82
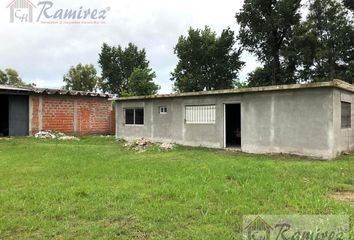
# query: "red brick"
94 114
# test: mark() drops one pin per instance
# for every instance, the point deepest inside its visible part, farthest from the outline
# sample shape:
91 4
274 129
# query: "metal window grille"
200 114
346 115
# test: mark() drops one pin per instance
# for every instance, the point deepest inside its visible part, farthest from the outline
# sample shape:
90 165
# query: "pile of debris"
167 146
142 144
54 135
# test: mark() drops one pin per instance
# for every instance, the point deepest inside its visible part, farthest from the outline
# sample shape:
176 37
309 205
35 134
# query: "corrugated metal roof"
13 88
49 91
335 83
69 92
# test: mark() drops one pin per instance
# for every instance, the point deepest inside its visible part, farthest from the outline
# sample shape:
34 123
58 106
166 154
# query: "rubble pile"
54 135
142 144
167 146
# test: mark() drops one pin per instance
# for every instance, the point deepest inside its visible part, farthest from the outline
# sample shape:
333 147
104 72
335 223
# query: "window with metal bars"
203 114
346 114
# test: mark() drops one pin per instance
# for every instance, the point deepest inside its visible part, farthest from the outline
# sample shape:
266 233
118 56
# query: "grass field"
96 189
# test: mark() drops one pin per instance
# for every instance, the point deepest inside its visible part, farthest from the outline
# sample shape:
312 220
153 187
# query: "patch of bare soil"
343 196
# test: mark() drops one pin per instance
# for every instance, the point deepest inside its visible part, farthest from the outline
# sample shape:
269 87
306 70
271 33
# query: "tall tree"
349 4
266 30
261 76
141 83
81 78
327 46
206 61
11 77
3 77
117 65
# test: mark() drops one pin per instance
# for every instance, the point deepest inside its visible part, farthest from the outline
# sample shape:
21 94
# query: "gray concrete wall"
290 121
296 122
171 127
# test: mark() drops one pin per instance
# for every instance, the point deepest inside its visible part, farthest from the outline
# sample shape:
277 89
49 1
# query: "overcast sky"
43 53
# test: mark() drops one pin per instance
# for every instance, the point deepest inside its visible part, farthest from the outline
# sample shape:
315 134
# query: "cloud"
43 53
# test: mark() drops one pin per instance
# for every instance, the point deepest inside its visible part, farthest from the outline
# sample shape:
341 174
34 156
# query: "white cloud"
43 53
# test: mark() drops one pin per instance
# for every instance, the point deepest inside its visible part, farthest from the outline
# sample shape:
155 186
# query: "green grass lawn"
96 189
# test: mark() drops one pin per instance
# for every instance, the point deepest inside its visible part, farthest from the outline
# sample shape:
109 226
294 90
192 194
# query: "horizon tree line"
292 48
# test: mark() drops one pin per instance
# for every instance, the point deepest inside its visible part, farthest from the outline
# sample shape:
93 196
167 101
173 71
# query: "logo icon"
21 11
283 227
258 229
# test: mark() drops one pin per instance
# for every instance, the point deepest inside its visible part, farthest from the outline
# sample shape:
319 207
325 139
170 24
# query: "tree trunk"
275 68
332 67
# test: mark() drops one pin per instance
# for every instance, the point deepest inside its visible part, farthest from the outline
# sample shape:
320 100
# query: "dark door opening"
233 125
18 116
4 116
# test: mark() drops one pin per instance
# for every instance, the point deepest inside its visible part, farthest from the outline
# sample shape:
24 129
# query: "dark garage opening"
233 125
14 115
4 116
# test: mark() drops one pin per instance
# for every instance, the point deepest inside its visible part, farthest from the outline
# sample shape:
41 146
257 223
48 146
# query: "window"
129 116
163 110
134 116
139 116
200 114
346 115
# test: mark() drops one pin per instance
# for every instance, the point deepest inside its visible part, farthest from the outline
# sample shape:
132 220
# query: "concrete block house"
312 119
28 111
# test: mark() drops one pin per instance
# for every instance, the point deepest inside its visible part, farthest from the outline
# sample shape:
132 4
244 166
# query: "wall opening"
4 116
346 116
233 125
18 115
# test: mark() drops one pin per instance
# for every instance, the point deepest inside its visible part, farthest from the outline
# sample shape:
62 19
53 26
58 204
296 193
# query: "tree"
3 77
266 29
349 4
206 62
11 77
117 65
81 78
141 83
327 44
261 76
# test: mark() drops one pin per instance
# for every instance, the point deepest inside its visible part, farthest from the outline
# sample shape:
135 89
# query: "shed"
26 111
313 119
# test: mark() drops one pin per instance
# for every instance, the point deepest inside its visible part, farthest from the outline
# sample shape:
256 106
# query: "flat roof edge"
336 83
47 91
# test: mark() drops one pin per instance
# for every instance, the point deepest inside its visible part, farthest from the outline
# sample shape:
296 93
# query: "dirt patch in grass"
127 226
347 196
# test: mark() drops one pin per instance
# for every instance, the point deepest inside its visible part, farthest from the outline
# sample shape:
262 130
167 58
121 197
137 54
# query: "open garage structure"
27 111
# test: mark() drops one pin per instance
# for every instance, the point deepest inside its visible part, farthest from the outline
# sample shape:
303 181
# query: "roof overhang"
6 89
335 84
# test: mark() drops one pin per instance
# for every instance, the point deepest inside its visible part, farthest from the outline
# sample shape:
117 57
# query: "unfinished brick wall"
34 105
77 115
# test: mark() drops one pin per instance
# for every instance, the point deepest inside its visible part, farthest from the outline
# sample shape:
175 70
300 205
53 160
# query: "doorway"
18 115
233 125
14 115
4 116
